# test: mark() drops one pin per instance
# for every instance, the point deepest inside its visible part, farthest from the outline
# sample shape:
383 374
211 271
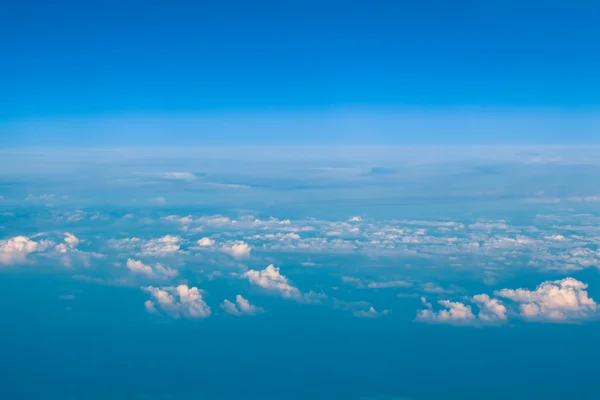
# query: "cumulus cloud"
139 267
237 250
162 246
241 307
563 300
70 243
177 301
456 313
271 279
355 219
180 220
206 242
16 249
490 310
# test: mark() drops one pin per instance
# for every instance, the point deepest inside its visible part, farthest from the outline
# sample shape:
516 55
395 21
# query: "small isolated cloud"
355 219
158 200
271 279
177 301
563 300
370 313
159 270
162 246
206 242
16 249
177 219
359 283
240 307
185 176
237 250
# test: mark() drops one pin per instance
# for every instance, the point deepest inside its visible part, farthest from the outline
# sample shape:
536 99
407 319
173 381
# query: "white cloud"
271 279
370 313
490 310
139 267
240 307
355 219
162 246
186 176
237 250
563 300
206 242
455 313
177 301
70 243
16 249
359 283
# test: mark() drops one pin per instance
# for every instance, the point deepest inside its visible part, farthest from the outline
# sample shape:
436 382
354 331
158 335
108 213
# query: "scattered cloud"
180 301
563 300
206 242
162 246
240 307
237 250
16 249
271 279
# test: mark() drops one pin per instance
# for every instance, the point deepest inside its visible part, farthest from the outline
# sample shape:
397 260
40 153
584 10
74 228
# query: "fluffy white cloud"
240 307
355 219
16 249
563 300
177 301
180 220
271 279
490 310
206 242
454 313
70 243
237 250
162 246
139 267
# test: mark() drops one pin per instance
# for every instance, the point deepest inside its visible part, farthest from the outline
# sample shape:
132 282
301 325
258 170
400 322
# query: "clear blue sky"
97 61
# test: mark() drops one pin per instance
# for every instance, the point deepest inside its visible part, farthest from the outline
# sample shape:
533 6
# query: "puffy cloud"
271 279
355 219
206 242
238 250
240 307
16 249
490 310
139 267
70 243
177 301
455 313
162 246
563 300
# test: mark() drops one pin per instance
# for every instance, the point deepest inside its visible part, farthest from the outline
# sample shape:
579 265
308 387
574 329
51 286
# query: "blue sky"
299 200
262 72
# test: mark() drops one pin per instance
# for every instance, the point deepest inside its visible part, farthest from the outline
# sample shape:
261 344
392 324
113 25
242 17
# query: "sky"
128 73
299 200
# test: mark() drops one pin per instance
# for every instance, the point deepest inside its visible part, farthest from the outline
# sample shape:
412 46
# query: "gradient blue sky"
180 72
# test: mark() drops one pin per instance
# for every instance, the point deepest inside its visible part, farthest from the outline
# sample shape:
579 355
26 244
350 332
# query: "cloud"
139 267
370 313
240 307
206 242
162 246
177 301
158 200
70 243
45 197
563 300
355 219
490 310
455 313
237 250
180 220
185 176
16 249
359 283
271 279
